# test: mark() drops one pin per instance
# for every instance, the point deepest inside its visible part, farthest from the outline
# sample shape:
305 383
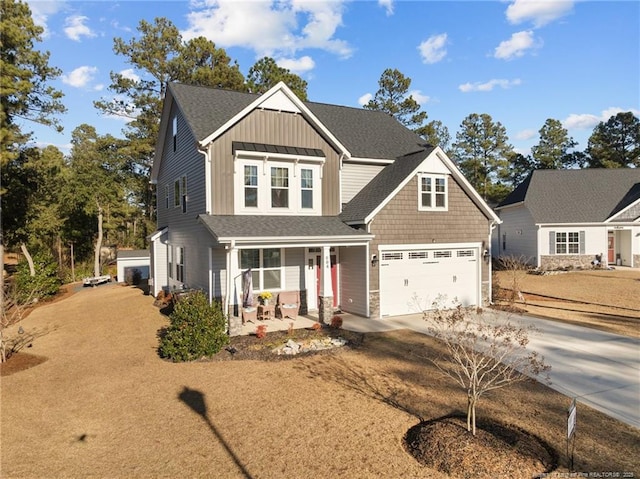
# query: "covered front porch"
282 255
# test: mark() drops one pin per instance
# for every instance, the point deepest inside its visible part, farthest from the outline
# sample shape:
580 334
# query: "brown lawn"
603 299
103 404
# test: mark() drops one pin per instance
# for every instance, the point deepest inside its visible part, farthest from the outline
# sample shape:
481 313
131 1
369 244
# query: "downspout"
207 176
492 226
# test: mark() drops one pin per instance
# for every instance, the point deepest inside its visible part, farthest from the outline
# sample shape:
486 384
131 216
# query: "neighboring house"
133 266
344 205
567 218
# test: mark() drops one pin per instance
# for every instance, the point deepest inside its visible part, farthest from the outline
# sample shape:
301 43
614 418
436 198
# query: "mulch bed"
496 450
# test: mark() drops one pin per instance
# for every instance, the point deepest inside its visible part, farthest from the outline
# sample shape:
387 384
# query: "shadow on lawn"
195 400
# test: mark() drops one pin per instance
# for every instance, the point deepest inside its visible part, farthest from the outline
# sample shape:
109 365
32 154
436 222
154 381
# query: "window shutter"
552 242
581 242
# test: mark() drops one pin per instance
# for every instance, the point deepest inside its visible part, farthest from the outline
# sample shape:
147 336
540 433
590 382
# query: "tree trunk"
73 266
25 252
96 257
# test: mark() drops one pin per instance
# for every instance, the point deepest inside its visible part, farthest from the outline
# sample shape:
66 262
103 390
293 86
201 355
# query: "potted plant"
265 296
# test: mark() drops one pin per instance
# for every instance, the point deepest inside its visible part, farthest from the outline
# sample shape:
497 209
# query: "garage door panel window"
432 192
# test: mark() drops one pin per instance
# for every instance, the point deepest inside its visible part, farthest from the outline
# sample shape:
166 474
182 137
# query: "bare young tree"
483 353
516 268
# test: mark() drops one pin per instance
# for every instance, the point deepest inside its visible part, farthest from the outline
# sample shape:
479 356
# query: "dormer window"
432 192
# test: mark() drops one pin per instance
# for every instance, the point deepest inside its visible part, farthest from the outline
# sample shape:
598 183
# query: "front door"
611 248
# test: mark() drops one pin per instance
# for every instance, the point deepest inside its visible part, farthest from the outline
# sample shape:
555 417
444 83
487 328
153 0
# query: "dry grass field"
102 404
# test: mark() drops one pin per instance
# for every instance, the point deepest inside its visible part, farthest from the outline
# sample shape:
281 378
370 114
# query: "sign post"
571 431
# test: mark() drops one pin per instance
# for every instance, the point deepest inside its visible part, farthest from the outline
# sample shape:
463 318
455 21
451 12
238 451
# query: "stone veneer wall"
325 309
374 304
636 260
553 262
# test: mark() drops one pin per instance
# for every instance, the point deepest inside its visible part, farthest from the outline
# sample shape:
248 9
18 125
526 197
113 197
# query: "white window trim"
180 269
433 194
567 243
264 165
257 288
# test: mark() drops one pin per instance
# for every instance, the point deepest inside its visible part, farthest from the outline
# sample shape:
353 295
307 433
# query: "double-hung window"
306 188
170 261
279 187
180 264
432 192
266 267
568 243
250 186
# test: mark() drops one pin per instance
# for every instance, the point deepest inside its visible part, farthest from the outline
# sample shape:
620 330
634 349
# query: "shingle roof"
285 227
365 133
576 196
135 253
381 186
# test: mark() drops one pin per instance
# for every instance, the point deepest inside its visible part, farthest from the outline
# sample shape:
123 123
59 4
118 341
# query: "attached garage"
133 266
412 279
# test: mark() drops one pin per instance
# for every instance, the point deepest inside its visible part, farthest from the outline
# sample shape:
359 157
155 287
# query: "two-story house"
344 205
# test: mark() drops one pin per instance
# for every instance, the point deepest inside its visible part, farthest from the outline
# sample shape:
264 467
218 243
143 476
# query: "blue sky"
520 61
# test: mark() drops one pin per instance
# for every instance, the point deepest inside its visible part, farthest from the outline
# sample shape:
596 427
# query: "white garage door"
411 280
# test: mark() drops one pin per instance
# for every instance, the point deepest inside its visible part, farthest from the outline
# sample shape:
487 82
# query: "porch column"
325 300
232 310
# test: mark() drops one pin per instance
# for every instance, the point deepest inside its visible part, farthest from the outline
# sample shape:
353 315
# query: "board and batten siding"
353 284
400 222
275 128
355 176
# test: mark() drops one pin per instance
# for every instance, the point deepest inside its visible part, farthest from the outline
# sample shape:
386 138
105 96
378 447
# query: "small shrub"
45 283
316 327
197 329
261 331
336 322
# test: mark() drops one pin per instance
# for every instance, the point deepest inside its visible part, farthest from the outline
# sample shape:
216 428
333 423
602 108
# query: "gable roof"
590 195
364 133
370 199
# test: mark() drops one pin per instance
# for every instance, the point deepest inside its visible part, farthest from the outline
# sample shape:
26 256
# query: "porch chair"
289 304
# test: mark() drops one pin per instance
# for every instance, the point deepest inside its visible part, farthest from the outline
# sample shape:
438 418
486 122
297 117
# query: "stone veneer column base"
235 325
325 309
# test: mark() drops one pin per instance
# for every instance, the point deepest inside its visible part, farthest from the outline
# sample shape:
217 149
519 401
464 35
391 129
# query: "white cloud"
586 121
41 11
488 86
269 28
433 49
539 12
297 65
419 97
130 74
75 28
387 5
517 45
80 77
525 134
364 99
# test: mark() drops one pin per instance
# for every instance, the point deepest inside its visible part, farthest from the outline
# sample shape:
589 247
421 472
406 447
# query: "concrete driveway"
599 369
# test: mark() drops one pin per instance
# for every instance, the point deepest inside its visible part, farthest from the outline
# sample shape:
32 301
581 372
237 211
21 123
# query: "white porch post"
325 301
235 323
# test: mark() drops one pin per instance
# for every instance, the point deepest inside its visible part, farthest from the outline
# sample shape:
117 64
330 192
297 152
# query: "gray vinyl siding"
184 230
270 127
521 234
219 272
353 287
400 222
293 269
355 176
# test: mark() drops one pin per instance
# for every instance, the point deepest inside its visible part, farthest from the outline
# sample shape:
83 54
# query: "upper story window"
166 196
278 183
174 128
180 193
279 187
432 192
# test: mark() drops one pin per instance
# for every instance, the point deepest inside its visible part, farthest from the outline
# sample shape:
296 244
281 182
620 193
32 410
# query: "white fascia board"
296 242
376 161
405 247
156 234
471 191
279 87
578 225
162 132
611 218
